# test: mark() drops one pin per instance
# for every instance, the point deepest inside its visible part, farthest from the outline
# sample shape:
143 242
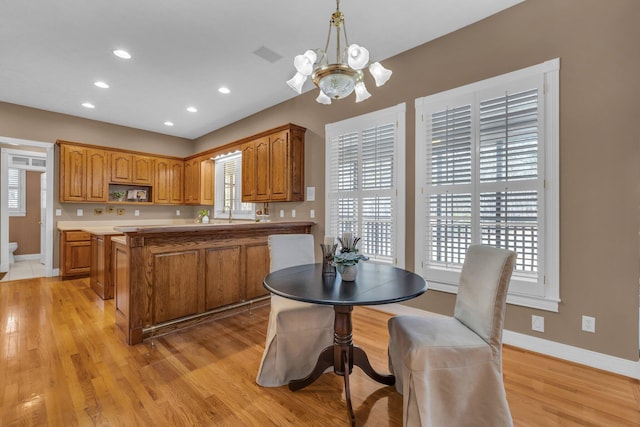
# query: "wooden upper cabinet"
97 187
249 171
273 166
83 174
169 181
198 181
131 169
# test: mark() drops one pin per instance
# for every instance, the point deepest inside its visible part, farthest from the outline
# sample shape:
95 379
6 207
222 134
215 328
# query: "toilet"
12 247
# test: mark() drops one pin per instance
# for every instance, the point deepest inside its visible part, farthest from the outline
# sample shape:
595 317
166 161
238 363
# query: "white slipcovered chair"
297 331
449 369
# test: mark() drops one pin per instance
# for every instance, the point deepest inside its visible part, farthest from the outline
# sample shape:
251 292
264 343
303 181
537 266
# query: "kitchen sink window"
228 188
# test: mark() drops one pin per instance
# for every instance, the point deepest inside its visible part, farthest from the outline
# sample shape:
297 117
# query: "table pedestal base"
342 355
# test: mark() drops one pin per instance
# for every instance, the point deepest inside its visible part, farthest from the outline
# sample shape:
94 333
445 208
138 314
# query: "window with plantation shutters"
486 173
365 182
16 192
228 188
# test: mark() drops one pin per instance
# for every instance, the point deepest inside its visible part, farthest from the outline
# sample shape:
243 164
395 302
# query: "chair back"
482 291
288 250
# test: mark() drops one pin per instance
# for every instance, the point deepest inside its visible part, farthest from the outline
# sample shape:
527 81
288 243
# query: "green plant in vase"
118 195
347 258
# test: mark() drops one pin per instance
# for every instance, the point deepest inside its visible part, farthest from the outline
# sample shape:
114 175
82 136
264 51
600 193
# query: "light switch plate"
311 194
79 212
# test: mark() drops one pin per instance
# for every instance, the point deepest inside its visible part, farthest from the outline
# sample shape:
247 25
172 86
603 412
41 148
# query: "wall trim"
605 362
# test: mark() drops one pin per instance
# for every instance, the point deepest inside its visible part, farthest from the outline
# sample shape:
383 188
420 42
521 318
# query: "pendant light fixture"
337 79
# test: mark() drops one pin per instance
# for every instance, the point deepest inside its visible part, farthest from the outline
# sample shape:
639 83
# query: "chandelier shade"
338 79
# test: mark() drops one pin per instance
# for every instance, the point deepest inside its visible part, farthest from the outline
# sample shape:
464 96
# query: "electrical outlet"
136 212
177 212
589 324
312 213
58 212
79 212
281 213
537 323
293 213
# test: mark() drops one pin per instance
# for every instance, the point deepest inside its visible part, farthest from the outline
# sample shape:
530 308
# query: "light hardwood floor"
62 363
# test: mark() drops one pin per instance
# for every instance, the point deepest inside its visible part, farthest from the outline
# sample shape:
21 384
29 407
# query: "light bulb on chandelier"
338 79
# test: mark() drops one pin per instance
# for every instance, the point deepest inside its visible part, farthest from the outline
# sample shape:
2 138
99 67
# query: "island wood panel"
173 292
122 292
223 277
257 262
184 275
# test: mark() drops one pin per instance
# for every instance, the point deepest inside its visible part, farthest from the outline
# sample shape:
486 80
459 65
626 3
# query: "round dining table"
375 284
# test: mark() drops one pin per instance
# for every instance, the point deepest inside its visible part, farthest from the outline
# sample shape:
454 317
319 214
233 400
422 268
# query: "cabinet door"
121 167
97 187
223 283
162 189
77 258
256 264
249 172
191 181
174 293
73 180
280 170
177 182
142 170
207 167
263 170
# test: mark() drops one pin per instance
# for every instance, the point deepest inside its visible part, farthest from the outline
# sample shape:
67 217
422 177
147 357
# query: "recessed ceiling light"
122 54
168 123
101 85
224 90
192 109
88 105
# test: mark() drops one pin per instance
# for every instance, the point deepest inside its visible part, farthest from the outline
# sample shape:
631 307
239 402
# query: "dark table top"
374 284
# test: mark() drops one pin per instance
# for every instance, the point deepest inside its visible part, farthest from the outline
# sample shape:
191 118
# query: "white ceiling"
51 52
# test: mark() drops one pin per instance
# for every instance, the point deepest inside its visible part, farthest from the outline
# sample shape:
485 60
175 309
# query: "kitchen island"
168 277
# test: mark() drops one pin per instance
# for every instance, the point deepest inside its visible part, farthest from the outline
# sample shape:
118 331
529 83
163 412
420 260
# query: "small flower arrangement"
348 254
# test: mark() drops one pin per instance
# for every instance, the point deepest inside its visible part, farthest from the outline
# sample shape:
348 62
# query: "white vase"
348 272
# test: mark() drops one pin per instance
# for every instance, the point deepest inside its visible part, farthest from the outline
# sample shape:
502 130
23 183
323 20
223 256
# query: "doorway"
10 146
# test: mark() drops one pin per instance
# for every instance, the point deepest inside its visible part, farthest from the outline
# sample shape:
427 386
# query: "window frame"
21 209
544 293
395 114
219 211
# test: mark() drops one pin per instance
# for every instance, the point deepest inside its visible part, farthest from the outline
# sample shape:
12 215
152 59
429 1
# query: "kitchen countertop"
165 226
218 225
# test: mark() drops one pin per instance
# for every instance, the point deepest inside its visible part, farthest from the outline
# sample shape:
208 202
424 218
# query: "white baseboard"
628 368
26 257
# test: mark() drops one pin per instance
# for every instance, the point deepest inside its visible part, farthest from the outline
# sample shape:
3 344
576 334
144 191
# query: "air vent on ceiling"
267 54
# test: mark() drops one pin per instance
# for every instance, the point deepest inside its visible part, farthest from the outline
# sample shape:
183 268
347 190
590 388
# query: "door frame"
4 216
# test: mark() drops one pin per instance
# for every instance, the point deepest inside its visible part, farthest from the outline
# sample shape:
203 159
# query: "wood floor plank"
63 363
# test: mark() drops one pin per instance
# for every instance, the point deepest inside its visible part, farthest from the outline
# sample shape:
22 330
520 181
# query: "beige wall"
596 42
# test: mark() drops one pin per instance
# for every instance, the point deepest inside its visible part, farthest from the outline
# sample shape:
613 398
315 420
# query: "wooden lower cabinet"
75 253
166 281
